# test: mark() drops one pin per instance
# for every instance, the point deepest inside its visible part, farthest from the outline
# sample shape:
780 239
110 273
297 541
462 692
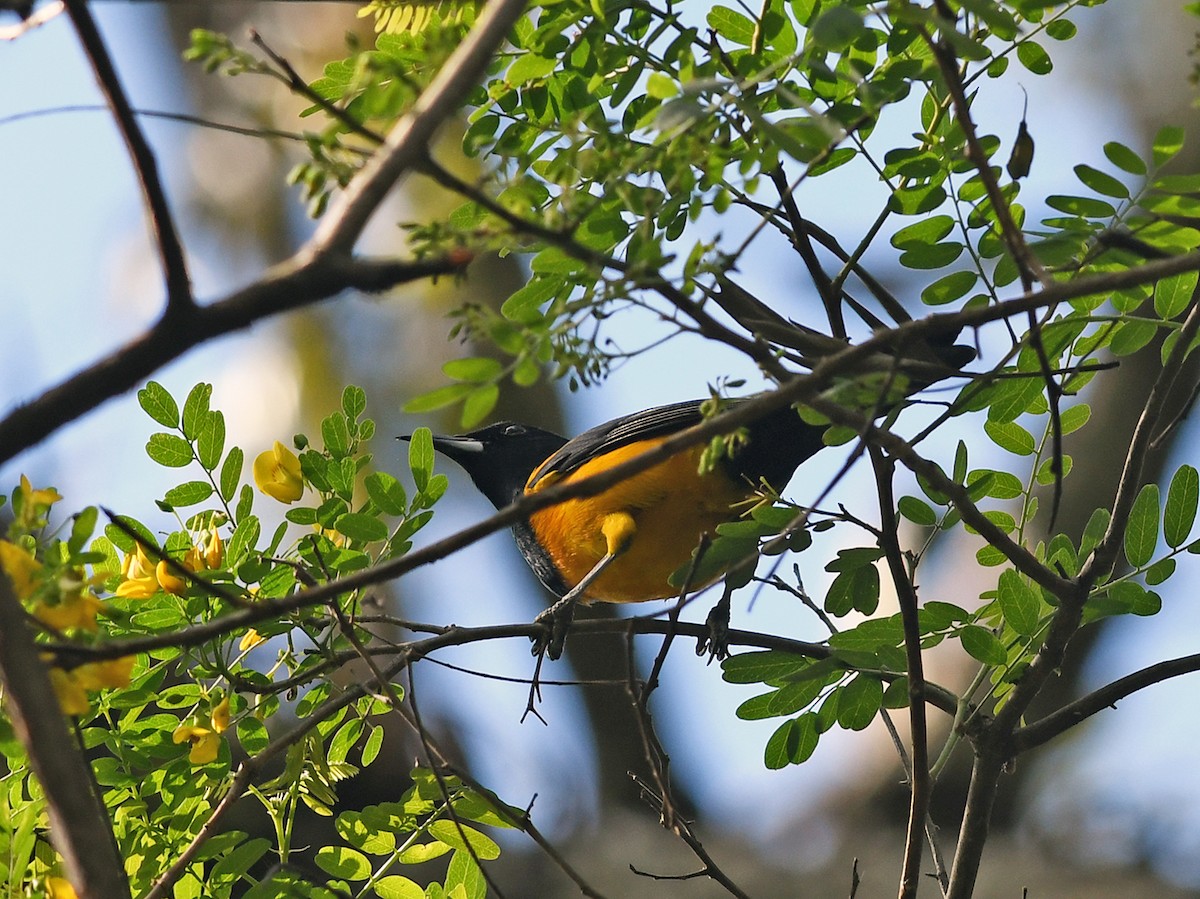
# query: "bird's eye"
514 431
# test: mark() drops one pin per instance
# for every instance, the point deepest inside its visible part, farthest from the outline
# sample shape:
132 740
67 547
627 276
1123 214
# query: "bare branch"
920 784
170 251
1106 697
287 287
407 141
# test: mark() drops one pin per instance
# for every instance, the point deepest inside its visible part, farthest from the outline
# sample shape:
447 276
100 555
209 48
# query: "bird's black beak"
453 447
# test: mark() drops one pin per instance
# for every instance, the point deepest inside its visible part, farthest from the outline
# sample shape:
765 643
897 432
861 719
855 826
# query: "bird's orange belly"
672 506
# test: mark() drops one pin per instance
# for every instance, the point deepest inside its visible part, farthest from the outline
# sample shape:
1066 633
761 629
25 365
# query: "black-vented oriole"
623 544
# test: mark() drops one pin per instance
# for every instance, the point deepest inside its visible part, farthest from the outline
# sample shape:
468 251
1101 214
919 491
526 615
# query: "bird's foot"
715 643
555 622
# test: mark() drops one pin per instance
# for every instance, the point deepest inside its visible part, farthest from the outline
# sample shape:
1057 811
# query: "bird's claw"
555 622
715 643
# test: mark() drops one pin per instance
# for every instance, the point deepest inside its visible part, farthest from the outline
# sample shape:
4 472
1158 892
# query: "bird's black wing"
661 421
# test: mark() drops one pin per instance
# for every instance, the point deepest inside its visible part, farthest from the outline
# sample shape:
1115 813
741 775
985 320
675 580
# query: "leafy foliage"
633 156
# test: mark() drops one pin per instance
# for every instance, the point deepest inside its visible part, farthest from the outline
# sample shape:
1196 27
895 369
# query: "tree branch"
920 784
79 825
287 287
1106 697
407 141
170 251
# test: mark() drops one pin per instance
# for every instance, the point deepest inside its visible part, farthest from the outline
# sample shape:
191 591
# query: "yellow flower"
138 588
250 639
137 564
101 675
139 572
72 698
78 609
20 566
277 474
220 716
60 888
205 743
168 579
31 498
214 553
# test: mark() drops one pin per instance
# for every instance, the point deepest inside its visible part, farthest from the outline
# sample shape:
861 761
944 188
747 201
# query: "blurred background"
1111 810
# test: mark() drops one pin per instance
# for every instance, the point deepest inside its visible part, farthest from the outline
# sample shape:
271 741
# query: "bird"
623 544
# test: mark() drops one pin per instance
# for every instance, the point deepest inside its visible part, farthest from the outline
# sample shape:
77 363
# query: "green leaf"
529 67
859 703
372 745
231 473
1124 158
394 886
170 450
354 401
1102 182
1167 143
452 833
1034 57
1061 29
1141 534
195 410
923 233
386 492
1180 512
1173 295
949 288
1160 571
1075 417
837 27
731 25
210 442
479 404
82 527
1019 603
931 257
423 852
240 859
1130 336
792 743
420 457
360 527
524 306
189 493
983 645
343 862
438 398
1010 436
768 666
917 511
476 369
787 700
1088 207
159 404
335 433
857 588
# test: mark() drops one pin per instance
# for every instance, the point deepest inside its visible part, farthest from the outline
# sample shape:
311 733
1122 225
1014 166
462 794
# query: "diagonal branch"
406 143
286 287
170 251
1106 697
